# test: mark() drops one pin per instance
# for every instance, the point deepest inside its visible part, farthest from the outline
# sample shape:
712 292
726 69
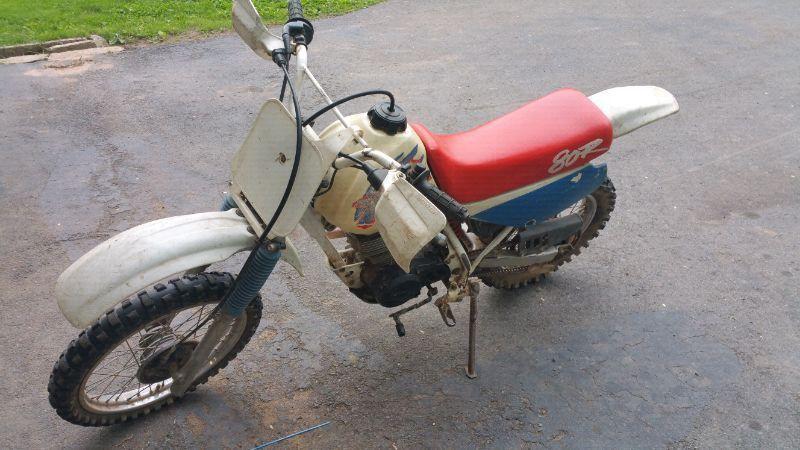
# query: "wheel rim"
112 385
586 208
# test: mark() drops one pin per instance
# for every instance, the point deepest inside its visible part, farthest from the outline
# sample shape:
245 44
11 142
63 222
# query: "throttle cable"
341 101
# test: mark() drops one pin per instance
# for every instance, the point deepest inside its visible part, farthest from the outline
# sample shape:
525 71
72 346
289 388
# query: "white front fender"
137 258
632 107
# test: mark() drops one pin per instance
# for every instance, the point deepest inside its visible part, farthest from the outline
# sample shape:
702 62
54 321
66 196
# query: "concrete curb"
57 46
65 56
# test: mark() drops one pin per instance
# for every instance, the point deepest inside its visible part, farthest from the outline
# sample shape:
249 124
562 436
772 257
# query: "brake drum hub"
164 361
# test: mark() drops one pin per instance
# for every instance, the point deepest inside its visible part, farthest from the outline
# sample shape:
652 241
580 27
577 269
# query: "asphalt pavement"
678 327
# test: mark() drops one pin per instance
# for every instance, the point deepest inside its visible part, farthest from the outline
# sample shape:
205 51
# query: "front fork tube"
201 360
250 281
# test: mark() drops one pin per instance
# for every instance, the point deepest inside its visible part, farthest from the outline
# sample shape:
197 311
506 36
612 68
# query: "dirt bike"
394 207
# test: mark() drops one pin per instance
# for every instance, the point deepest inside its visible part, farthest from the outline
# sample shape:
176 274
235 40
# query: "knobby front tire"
97 380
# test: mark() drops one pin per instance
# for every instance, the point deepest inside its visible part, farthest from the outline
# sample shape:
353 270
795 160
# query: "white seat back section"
632 107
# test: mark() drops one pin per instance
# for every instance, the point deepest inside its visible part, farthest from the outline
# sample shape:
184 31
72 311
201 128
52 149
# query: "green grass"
23 21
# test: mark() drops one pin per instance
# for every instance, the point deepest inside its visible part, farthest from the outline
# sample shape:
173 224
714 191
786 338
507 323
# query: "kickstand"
473 324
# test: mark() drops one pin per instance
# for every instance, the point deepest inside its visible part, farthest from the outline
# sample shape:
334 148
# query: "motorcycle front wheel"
119 367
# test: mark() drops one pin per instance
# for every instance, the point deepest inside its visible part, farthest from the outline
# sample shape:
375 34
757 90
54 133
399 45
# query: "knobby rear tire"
155 304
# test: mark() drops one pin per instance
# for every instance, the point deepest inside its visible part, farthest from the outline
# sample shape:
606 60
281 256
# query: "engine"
385 283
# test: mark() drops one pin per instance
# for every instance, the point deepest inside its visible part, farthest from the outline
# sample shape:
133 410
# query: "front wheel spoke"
185 321
172 332
114 382
198 313
115 355
144 388
114 377
122 389
200 317
97 382
107 374
135 358
125 367
128 365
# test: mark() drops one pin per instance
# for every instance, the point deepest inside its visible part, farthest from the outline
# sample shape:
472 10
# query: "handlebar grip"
448 205
295 8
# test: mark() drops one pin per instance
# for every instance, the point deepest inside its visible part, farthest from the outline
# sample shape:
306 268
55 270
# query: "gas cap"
386 120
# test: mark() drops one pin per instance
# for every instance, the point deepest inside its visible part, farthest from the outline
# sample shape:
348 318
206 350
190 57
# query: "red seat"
556 133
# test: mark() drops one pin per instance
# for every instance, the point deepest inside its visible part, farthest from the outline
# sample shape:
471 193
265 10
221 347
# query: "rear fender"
137 258
632 107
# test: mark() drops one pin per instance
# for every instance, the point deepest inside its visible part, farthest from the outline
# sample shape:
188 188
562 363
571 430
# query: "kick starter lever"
401 329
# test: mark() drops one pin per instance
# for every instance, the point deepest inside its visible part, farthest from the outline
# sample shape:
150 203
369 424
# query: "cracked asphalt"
677 328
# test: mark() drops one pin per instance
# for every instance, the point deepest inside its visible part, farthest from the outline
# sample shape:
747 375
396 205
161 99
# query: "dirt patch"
287 410
196 425
74 63
67 69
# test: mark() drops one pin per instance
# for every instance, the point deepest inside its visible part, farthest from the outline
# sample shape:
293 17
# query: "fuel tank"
350 203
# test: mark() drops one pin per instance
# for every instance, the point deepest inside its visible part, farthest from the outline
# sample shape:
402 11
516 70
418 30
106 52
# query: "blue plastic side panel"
547 201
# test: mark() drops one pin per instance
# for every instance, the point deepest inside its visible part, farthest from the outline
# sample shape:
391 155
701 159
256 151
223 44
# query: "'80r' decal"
567 158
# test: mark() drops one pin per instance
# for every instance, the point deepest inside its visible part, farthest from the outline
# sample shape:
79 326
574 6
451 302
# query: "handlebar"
297 26
295 8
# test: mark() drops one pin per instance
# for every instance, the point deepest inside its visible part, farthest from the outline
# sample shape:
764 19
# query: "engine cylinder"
385 282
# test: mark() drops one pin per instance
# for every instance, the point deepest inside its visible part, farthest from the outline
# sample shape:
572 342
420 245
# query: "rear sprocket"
604 199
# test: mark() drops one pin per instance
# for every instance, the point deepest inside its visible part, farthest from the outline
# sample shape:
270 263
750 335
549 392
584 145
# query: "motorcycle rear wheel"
117 369
600 203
